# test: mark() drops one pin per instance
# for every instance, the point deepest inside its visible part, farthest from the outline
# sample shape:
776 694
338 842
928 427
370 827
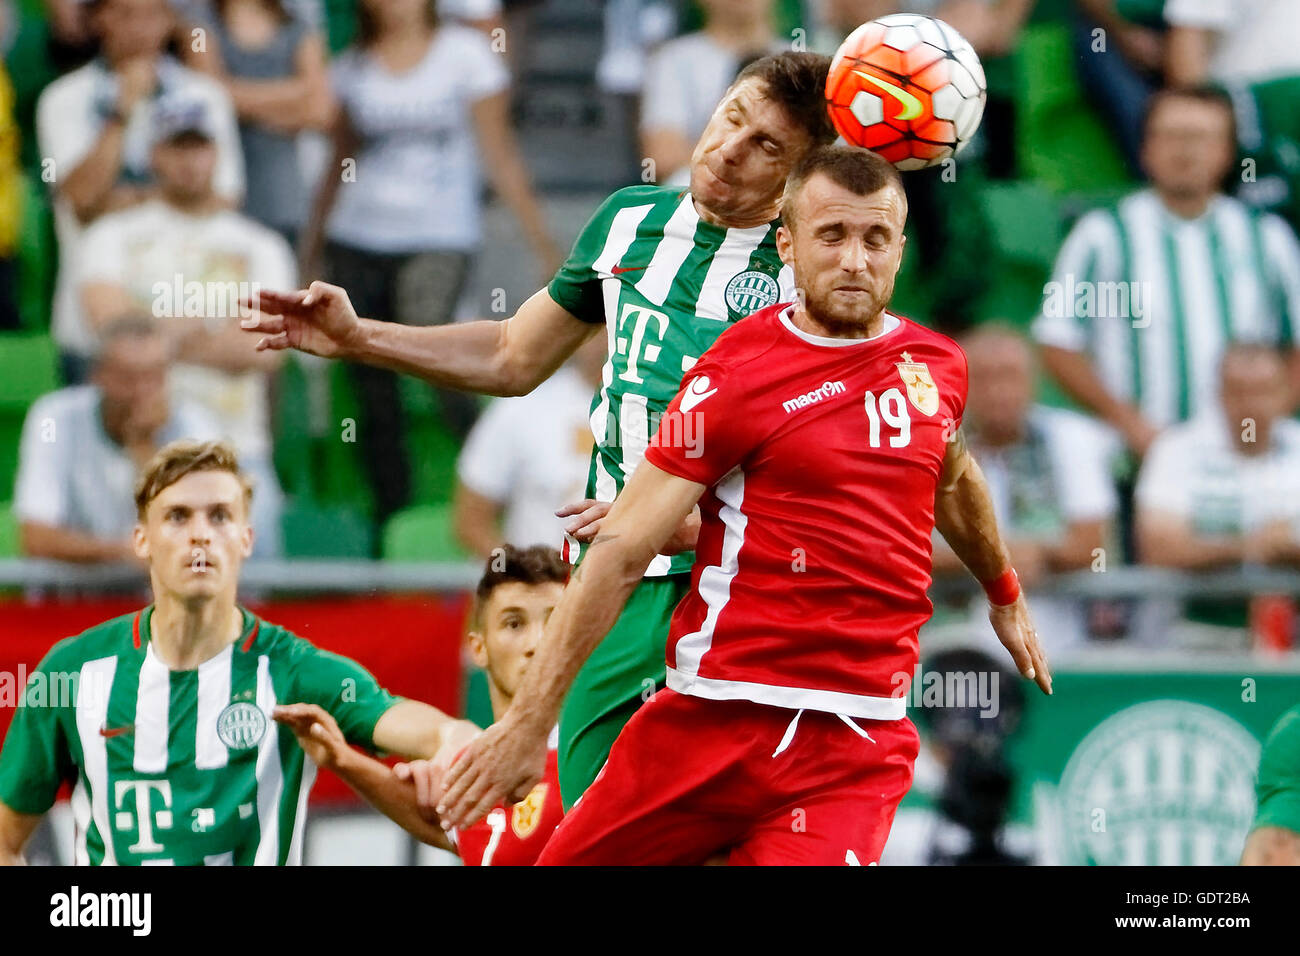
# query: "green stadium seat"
1060 140
37 256
8 532
422 533
313 531
28 369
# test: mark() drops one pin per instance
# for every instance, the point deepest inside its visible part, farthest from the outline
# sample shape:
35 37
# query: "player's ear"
785 244
140 541
478 649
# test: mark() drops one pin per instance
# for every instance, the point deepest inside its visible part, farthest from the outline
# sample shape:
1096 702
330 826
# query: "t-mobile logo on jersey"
144 815
75 909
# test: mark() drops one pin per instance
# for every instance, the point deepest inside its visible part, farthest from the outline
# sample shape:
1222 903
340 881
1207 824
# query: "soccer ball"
907 87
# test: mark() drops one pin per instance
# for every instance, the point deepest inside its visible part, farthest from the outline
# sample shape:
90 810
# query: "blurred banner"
1142 760
410 643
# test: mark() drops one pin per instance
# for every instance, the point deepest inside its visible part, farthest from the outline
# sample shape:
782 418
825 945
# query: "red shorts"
689 779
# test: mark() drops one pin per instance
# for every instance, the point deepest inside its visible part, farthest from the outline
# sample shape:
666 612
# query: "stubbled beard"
839 323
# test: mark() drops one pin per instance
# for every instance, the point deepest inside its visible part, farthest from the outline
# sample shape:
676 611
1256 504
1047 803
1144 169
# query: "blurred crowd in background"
1116 251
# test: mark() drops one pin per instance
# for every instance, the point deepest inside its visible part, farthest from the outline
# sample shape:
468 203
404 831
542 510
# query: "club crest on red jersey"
528 812
921 390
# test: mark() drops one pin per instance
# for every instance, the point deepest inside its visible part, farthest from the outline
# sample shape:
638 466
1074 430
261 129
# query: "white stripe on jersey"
214 695
622 231
93 690
676 245
220 859
270 778
152 707
732 257
600 414
300 818
715 580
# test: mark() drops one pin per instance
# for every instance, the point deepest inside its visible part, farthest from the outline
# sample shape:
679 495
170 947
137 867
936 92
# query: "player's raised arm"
505 762
963 513
321 739
509 357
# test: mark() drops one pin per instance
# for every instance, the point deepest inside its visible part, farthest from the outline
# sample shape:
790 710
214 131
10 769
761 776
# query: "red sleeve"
707 429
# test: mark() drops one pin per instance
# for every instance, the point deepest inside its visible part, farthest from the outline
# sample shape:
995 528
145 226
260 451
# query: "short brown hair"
177 459
534 565
796 82
1199 93
858 170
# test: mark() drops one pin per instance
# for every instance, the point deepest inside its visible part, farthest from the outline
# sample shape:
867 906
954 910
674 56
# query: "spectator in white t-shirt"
188 259
1223 490
95 127
687 76
84 446
424 116
1048 472
526 457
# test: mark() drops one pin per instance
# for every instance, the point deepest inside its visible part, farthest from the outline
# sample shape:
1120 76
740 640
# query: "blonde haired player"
165 728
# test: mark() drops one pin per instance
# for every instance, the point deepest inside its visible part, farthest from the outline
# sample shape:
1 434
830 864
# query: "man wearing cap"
95 127
186 258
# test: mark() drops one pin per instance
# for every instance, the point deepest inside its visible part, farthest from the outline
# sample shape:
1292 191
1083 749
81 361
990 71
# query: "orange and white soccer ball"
908 87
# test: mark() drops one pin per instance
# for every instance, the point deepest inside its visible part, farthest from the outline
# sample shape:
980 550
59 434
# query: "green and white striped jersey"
1154 298
179 767
665 284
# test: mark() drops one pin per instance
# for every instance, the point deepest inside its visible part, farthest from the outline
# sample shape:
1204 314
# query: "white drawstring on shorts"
788 737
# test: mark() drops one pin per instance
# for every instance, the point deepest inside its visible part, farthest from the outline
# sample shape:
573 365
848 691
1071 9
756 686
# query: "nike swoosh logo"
911 105
116 731
696 393
619 270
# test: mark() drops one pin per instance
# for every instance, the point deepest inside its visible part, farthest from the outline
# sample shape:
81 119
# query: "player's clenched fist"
319 319
1016 631
317 733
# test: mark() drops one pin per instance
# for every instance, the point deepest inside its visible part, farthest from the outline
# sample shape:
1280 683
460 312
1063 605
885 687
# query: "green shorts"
621 674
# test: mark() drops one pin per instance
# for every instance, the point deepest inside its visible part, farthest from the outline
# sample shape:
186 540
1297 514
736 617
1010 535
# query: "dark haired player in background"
515 596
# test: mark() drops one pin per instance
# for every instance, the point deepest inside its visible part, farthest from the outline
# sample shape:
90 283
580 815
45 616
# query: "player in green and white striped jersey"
1146 296
163 719
663 272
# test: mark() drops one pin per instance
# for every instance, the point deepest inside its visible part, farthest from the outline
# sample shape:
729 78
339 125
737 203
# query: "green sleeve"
576 287
35 759
344 688
1277 791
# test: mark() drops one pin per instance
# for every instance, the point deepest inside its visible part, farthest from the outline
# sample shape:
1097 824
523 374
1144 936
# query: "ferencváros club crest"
241 725
747 292
1164 783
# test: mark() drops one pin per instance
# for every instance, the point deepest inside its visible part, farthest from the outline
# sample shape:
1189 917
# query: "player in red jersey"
515 596
825 449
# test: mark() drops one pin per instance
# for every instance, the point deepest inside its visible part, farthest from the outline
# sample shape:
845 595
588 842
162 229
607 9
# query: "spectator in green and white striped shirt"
1145 296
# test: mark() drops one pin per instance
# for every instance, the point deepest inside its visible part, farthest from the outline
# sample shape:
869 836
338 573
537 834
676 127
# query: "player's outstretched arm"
15 829
505 762
509 357
963 513
321 739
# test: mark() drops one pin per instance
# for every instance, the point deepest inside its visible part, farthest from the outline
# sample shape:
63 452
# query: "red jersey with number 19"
822 457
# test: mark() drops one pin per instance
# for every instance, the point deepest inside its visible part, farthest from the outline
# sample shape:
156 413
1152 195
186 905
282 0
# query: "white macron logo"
696 392
825 390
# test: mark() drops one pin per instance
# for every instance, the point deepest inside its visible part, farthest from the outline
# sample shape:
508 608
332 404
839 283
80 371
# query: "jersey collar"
143 617
890 324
